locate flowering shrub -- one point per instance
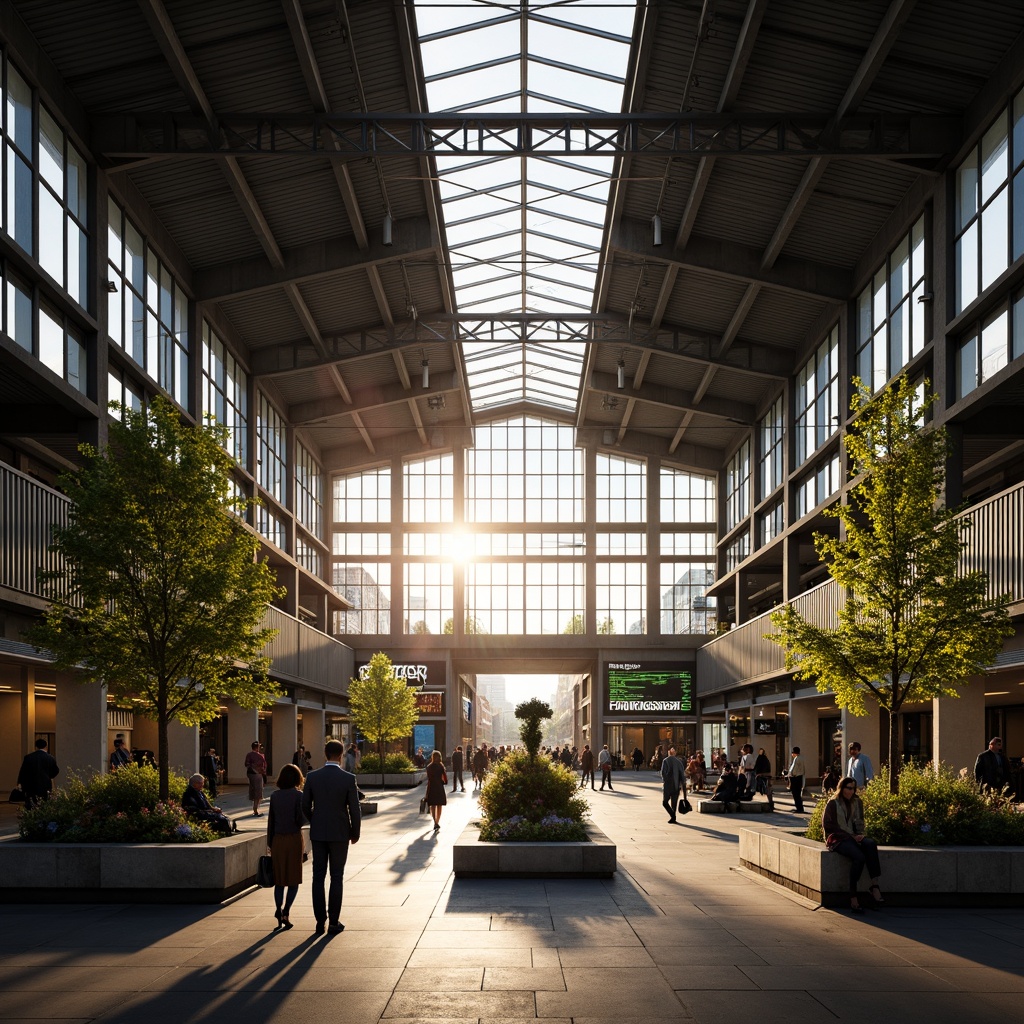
(531, 793)
(517, 829)
(122, 807)
(394, 764)
(933, 808)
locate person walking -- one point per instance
(299, 757)
(843, 825)
(284, 840)
(587, 764)
(352, 758)
(604, 762)
(762, 772)
(457, 769)
(859, 767)
(209, 766)
(673, 781)
(437, 779)
(330, 802)
(38, 770)
(747, 762)
(637, 758)
(480, 764)
(797, 772)
(256, 773)
(992, 768)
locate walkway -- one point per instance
(677, 934)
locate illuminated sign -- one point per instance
(431, 703)
(649, 688)
(418, 673)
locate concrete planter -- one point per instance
(129, 872)
(405, 780)
(962, 876)
(472, 858)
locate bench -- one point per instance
(756, 806)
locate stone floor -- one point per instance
(679, 933)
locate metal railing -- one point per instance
(995, 543)
(29, 512)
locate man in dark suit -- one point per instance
(992, 769)
(197, 805)
(330, 802)
(209, 766)
(38, 770)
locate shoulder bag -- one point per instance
(423, 805)
(685, 806)
(17, 796)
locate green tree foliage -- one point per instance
(160, 595)
(473, 626)
(531, 713)
(577, 626)
(913, 626)
(382, 706)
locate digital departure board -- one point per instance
(636, 687)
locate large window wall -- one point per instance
(501, 562)
(817, 398)
(226, 393)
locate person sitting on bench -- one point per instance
(198, 806)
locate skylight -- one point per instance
(524, 234)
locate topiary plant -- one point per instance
(532, 713)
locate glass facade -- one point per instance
(147, 310)
(737, 486)
(891, 312)
(817, 398)
(477, 572)
(272, 455)
(771, 450)
(989, 217)
(226, 393)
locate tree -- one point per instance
(382, 706)
(531, 713)
(575, 625)
(160, 595)
(473, 626)
(913, 626)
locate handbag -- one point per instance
(423, 805)
(444, 778)
(265, 872)
(685, 806)
(17, 796)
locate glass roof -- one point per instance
(524, 234)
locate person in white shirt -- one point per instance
(604, 762)
(859, 767)
(797, 771)
(747, 761)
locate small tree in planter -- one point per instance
(527, 798)
(383, 706)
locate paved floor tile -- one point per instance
(442, 979)
(476, 1004)
(511, 979)
(690, 977)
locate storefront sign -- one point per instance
(648, 688)
(422, 673)
(430, 702)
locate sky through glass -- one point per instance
(524, 234)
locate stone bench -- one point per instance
(966, 876)
(757, 806)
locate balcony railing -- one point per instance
(995, 543)
(29, 511)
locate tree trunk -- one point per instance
(162, 756)
(894, 752)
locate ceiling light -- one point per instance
(997, 693)
(426, 372)
(435, 402)
(386, 231)
(620, 375)
(656, 222)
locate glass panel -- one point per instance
(1018, 326)
(967, 268)
(994, 239)
(78, 184)
(994, 344)
(51, 152)
(51, 234)
(967, 367)
(994, 160)
(19, 111)
(967, 191)
(19, 313)
(51, 340)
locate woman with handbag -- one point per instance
(284, 840)
(843, 824)
(437, 780)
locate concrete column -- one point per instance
(867, 731)
(243, 729)
(958, 726)
(183, 748)
(314, 728)
(284, 734)
(803, 731)
(28, 707)
(81, 740)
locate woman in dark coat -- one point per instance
(437, 779)
(284, 840)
